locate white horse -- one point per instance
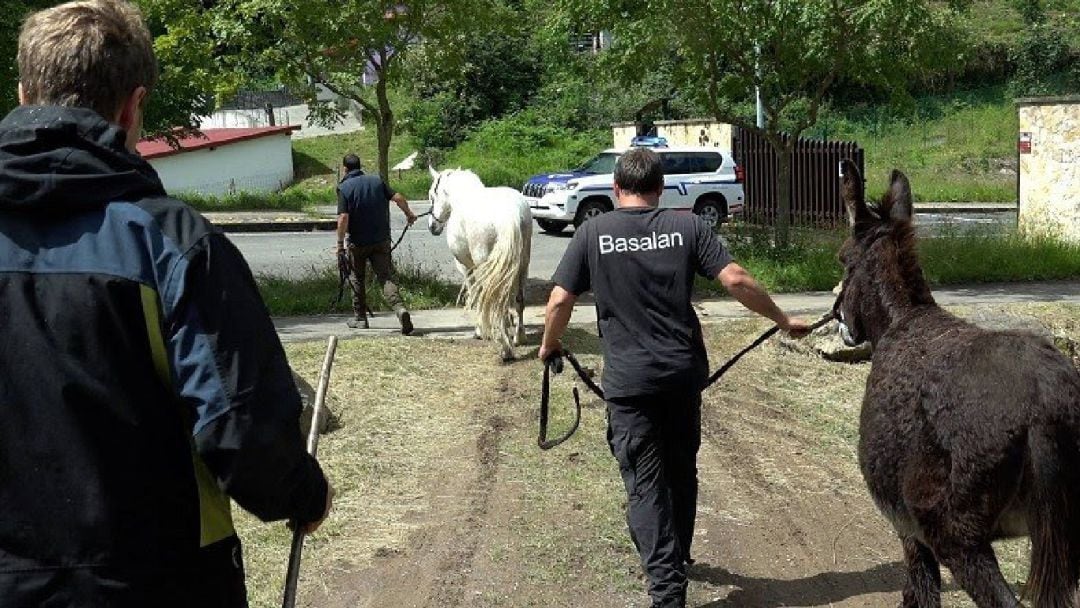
(489, 231)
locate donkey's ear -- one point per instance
(434, 173)
(899, 196)
(851, 191)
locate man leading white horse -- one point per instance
(363, 212)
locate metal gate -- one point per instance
(815, 179)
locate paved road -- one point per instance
(296, 254)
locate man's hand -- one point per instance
(796, 328)
(549, 350)
(313, 526)
(410, 217)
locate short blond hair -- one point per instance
(88, 54)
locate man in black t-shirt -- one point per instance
(639, 262)
(364, 212)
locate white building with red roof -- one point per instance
(224, 161)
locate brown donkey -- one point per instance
(966, 435)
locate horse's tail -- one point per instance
(494, 284)
(1054, 518)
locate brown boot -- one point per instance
(358, 323)
(406, 321)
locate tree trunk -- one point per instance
(783, 194)
(384, 126)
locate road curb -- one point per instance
(305, 226)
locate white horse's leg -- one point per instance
(523, 274)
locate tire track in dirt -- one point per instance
(433, 568)
(775, 529)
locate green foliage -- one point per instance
(292, 199)
(506, 152)
(341, 46)
(958, 147)
(499, 72)
(182, 47)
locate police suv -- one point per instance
(703, 180)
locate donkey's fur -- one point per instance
(966, 435)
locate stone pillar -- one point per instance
(1048, 144)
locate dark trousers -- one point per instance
(656, 438)
(379, 256)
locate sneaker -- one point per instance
(357, 323)
(406, 322)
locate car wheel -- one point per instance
(589, 210)
(552, 226)
(711, 211)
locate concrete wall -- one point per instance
(688, 133)
(622, 133)
(1050, 172)
(288, 115)
(259, 165)
(679, 133)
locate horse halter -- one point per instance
(435, 195)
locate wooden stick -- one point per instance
(292, 575)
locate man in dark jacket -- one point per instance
(143, 384)
(640, 261)
(364, 213)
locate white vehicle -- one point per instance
(703, 180)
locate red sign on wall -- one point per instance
(1025, 142)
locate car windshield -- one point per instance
(601, 163)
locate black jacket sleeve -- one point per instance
(232, 372)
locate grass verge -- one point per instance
(810, 264)
(316, 292)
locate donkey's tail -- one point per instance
(1054, 519)
(495, 282)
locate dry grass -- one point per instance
(398, 409)
(407, 420)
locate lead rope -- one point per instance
(554, 364)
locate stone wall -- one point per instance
(1050, 168)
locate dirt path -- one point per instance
(784, 518)
(779, 524)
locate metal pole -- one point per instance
(292, 575)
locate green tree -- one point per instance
(306, 43)
(794, 51)
(499, 71)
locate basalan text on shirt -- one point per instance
(610, 244)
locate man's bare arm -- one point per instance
(559, 308)
(750, 294)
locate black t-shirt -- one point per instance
(366, 198)
(640, 265)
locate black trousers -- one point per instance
(379, 256)
(656, 438)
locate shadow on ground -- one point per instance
(821, 589)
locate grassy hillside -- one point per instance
(954, 148)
